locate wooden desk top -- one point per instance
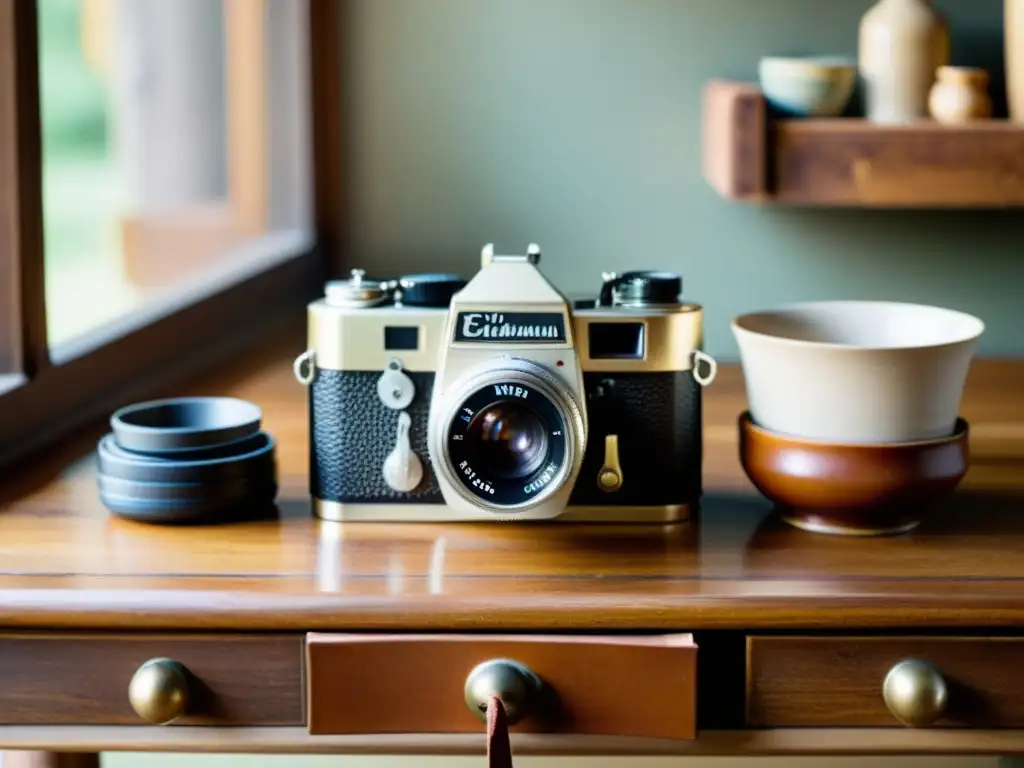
(66, 562)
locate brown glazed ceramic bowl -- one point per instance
(852, 490)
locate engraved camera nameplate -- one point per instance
(510, 327)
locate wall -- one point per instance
(576, 124)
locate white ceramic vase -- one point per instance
(902, 44)
(960, 95)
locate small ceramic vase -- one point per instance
(960, 95)
(902, 44)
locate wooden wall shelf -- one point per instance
(847, 162)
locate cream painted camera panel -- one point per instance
(352, 339)
(498, 329)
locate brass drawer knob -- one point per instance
(915, 693)
(515, 685)
(158, 691)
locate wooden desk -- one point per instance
(793, 631)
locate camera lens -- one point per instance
(508, 439)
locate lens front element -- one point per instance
(509, 439)
(506, 444)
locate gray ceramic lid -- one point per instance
(185, 423)
(184, 493)
(253, 506)
(249, 457)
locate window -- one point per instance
(158, 203)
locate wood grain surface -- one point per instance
(295, 740)
(837, 681)
(65, 562)
(850, 162)
(643, 686)
(57, 679)
(733, 155)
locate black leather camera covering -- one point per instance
(352, 432)
(658, 419)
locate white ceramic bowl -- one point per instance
(808, 86)
(857, 372)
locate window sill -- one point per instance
(251, 259)
(11, 381)
(231, 309)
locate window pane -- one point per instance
(175, 151)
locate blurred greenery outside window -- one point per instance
(175, 156)
(174, 135)
(80, 185)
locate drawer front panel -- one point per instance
(48, 679)
(839, 681)
(625, 686)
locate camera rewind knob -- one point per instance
(403, 469)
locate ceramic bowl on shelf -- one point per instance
(852, 490)
(808, 86)
(856, 372)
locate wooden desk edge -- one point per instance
(295, 740)
(157, 610)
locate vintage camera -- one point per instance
(434, 399)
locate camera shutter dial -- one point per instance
(430, 290)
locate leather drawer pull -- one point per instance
(501, 692)
(499, 747)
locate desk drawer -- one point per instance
(950, 682)
(625, 686)
(48, 679)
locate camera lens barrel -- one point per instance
(511, 437)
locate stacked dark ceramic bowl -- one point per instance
(188, 460)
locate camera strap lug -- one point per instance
(704, 379)
(304, 367)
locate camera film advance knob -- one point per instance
(434, 289)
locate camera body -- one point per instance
(433, 399)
